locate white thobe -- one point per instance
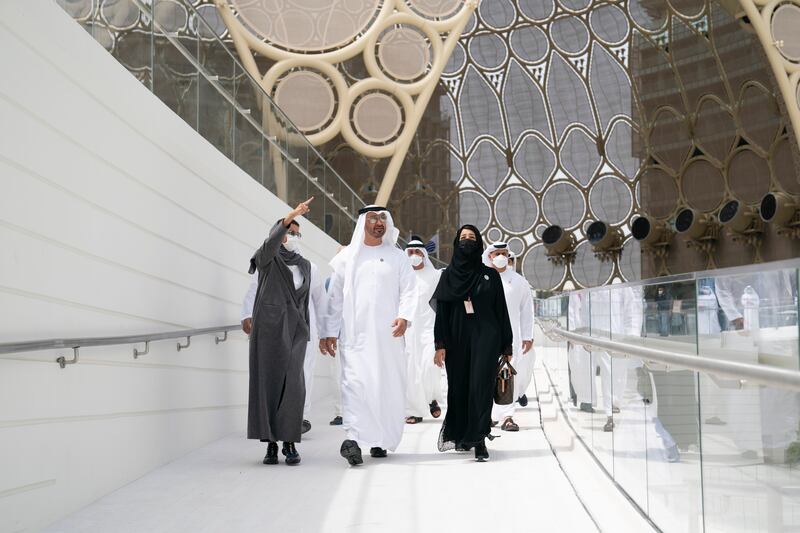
(316, 308)
(520, 312)
(424, 377)
(373, 361)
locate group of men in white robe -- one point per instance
(376, 321)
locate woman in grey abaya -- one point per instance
(279, 340)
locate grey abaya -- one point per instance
(278, 342)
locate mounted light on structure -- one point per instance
(653, 237)
(781, 210)
(743, 223)
(701, 232)
(605, 240)
(560, 245)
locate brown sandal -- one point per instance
(413, 419)
(509, 425)
(436, 411)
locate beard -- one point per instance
(378, 232)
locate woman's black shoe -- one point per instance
(272, 454)
(290, 452)
(481, 453)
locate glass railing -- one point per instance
(694, 451)
(175, 51)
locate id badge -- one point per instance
(468, 307)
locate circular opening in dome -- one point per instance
(640, 228)
(597, 230)
(552, 234)
(728, 211)
(769, 207)
(684, 220)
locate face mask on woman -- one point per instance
(468, 245)
(500, 261)
(415, 260)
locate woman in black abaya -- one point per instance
(472, 333)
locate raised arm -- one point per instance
(272, 244)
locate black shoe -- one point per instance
(272, 454)
(306, 427)
(586, 407)
(290, 452)
(609, 427)
(337, 421)
(351, 452)
(481, 453)
(523, 400)
(377, 452)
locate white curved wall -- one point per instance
(115, 218)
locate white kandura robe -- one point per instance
(424, 377)
(373, 361)
(519, 301)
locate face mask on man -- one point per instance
(500, 261)
(415, 260)
(292, 244)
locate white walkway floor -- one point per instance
(225, 488)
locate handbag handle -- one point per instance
(503, 362)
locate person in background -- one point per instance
(520, 311)
(424, 378)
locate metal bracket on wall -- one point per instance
(63, 361)
(137, 353)
(184, 346)
(218, 339)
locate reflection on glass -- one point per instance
(170, 47)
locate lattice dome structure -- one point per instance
(548, 112)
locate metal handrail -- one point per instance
(86, 342)
(745, 373)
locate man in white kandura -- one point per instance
(372, 299)
(424, 377)
(520, 311)
(525, 369)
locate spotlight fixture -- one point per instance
(743, 223)
(560, 244)
(605, 240)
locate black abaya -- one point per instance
(473, 344)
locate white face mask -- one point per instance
(415, 260)
(500, 261)
(292, 244)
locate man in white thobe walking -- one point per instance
(372, 299)
(424, 377)
(520, 311)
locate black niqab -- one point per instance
(462, 273)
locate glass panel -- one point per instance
(581, 375)
(175, 78)
(670, 317)
(601, 381)
(750, 434)
(247, 133)
(177, 54)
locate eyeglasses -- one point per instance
(295, 234)
(374, 218)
